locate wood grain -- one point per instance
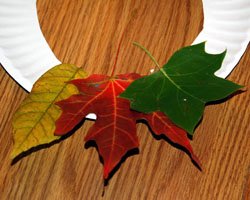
(87, 33)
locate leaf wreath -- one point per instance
(170, 100)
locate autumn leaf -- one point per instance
(115, 128)
(161, 125)
(182, 87)
(34, 121)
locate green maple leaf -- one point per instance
(182, 87)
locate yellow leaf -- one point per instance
(34, 121)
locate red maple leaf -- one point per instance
(115, 128)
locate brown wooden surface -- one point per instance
(86, 33)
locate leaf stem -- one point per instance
(157, 64)
(148, 53)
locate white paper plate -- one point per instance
(226, 26)
(25, 54)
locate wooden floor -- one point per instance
(86, 33)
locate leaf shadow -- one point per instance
(129, 153)
(166, 139)
(135, 151)
(44, 146)
(190, 136)
(238, 92)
